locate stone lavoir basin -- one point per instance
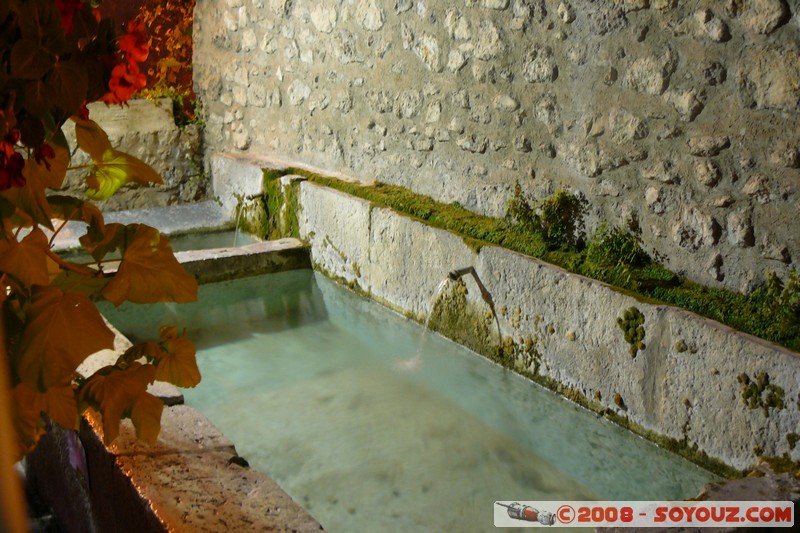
(371, 422)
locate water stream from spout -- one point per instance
(412, 363)
(238, 222)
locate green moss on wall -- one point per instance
(470, 324)
(632, 325)
(759, 313)
(760, 393)
(281, 204)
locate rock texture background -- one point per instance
(680, 117)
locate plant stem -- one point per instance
(64, 223)
(65, 265)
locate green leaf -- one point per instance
(29, 61)
(114, 170)
(61, 330)
(149, 272)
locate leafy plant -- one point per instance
(170, 64)
(614, 255)
(784, 300)
(559, 220)
(56, 57)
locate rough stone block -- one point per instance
(234, 177)
(336, 226)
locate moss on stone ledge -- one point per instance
(651, 282)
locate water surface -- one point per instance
(374, 424)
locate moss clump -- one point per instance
(252, 216)
(558, 220)
(792, 439)
(614, 255)
(632, 324)
(753, 393)
(783, 464)
(281, 204)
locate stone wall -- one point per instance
(683, 117)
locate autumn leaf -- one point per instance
(100, 238)
(71, 208)
(146, 417)
(114, 392)
(29, 60)
(60, 406)
(27, 260)
(177, 363)
(91, 138)
(69, 83)
(27, 407)
(61, 330)
(149, 272)
(69, 281)
(31, 199)
(150, 350)
(54, 176)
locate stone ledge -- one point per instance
(258, 258)
(190, 480)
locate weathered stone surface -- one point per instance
(684, 70)
(370, 15)
(490, 43)
(249, 260)
(692, 228)
(708, 145)
(764, 16)
(651, 74)
(769, 78)
(707, 172)
(539, 64)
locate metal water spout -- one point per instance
(461, 272)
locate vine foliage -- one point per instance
(55, 57)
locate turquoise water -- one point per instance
(372, 423)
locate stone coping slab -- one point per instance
(190, 480)
(258, 258)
